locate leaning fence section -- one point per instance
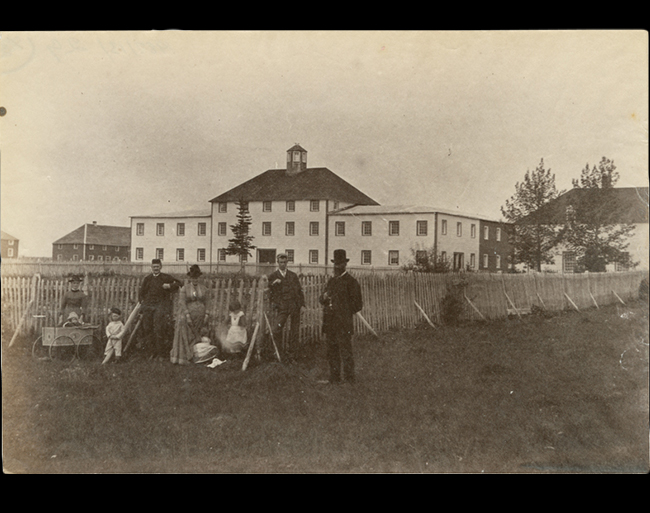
(391, 300)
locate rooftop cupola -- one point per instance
(296, 159)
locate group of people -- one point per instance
(191, 340)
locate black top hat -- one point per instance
(75, 278)
(156, 261)
(195, 271)
(339, 256)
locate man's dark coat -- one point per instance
(287, 295)
(344, 301)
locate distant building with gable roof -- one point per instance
(94, 242)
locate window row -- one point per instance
(289, 206)
(472, 230)
(91, 247)
(99, 258)
(202, 229)
(339, 228)
(180, 254)
(458, 259)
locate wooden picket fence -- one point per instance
(391, 300)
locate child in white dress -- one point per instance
(114, 333)
(237, 336)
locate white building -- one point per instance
(173, 237)
(307, 213)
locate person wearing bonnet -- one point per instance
(193, 317)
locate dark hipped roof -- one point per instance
(316, 183)
(98, 234)
(626, 205)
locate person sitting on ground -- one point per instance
(237, 336)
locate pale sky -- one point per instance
(100, 126)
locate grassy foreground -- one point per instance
(563, 393)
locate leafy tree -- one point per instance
(594, 230)
(426, 261)
(242, 243)
(533, 237)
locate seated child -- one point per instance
(73, 320)
(204, 350)
(114, 333)
(237, 337)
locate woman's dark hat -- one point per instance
(116, 310)
(339, 256)
(195, 271)
(75, 278)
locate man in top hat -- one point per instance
(287, 299)
(156, 294)
(74, 300)
(341, 301)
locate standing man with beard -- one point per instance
(341, 301)
(156, 293)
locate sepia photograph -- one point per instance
(324, 252)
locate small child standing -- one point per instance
(237, 336)
(114, 332)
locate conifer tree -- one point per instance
(594, 230)
(242, 243)
(533, 237)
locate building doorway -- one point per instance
(459, 261)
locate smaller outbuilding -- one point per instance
(94, 242)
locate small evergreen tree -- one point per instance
(532, 237)
(242, 243)
(594, 231)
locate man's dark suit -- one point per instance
(341, 301)
(157, 313)
(287, 299)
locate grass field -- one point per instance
(545, 394)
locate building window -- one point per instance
(124, 259)
(313, 228)
(472, 230)
(160, 229)
(290, 255)
(90, 246)
(266, 206)
(180, 254)
(60, 257)
(366, 257)
(569, 262)
(223, 208)
(202, 229)
(459, 229)
(75, 246)
(339, 228)
(443, 227)
(160, 253)
(485, 261)
(75, 257)
(313, 256)
(243, 258)
(422, 228)
(139, 253)
(443, 256)
(393, 258)
(366, 227)
(393, 227)
(420, 256)
(116, 259)
(498, 261)
(11, 242)
(266, 228)
(314, 205)
(222, 229)
(486, 232)
(139, 229)
(60, 246)
(472, 260)
(498, 234)
(222, 255)
(104, 248)
(335, 205)
(99, 258)
(92, 257)
(10, 252)
(200, 255)
(291, 206)
(180, 229)
(290, 228)
(623, 266)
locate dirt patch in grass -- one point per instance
(563, 393)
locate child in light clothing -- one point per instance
(237, 336)
(114, 332)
